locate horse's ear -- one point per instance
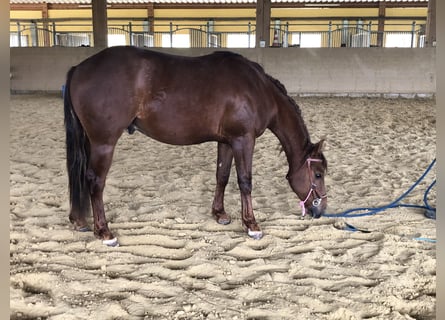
(319, 146)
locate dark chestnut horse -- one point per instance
(180, 100)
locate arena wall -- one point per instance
(304, 71)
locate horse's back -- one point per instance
(202, 98)
(125, 63)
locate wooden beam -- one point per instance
(151, 17)
(381, 23)
(45, 16)
(352, 5)
(262, 33)
(100, 29)
(193, 6)
(430, 40)
(234, 19)
(25, 6)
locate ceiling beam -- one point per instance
(192, 6)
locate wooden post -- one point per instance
(262, 23)
(430, 39)
(150, 17)
(45, 16)
(100, 28)
(381, 25)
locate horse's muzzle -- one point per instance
(316, 212)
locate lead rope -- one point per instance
(369, 211)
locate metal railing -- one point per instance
(411, 36)
(47, 34)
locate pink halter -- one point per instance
(317, 198)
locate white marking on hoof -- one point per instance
(111, 243)
(255, 234)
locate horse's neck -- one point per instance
(291, 131)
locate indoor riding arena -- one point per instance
(376, 110)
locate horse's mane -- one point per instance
(283, 90)
(308, 145)
(277, 84)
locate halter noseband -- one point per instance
(317, 198)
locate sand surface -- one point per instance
(176, 262)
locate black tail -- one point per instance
(77, 157)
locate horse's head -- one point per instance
(307, 181)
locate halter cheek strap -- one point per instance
(317, 198)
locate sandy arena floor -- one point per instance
(176, 262)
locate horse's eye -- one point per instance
(318, 175)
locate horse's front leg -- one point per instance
(243, 153)
(100, 162)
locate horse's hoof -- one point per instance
(111, 242)
(224, 220)
(83, 229)
(257, 235)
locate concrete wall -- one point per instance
(325, 71)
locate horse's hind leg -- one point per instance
(223, 165)
(100, 162)
(243, 153)
(78, 218)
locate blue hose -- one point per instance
(395, 204)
